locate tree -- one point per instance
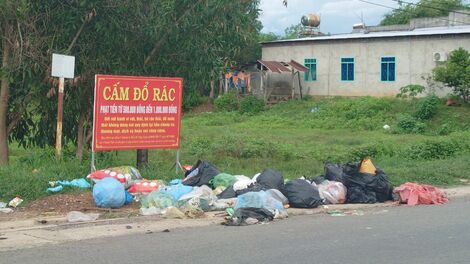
(456, 73)
(113, 37)
(424, 8)
(293, 32)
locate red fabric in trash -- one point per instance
(413, 194)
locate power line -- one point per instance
(440, 18)
(431, 7)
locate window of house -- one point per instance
(311, 74)
(347, 69)
(387, 72)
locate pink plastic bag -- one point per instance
(413, 194)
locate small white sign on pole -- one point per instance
(63, 66)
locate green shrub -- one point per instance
(228, 102)
(433, 150)
(251, 105)
(409, 124)
(411, 91)
(427, 107)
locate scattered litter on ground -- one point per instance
(150, 211)
(79, 183)
(315, 109)
(3, 205)
(346, 213)
(413, 194)
(173, 213)
(243, 200)
(15, 202)
(75, 216)
(6, 210)
(56, 189)
(241, 216)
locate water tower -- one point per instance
(311, 23)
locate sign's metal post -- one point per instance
(178, 164)
(60, 110)
(93, 168)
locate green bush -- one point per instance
(409, 124)
(228, 102)
(429, 150)
(427, 107)
(251, 105)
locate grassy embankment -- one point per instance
(288, 137)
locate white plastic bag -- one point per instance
(242, 184)
(333, 192)
(75, 216)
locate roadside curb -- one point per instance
(39, 231)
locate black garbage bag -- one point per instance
(227, 193)
(255, 187)
(334, 172)
(271, 179)
(364, 187)
(318, 180)
(383, 188)
(302, 194)
(241, 214)
(201, 174)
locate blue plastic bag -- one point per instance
(176, 191)
(259, 199)
(129, 198)
(109, 193)
(56, 189)
(80, 183)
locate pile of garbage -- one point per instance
(248, 200)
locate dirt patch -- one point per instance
(203, 108)
(61, 204)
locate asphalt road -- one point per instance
(422, 234)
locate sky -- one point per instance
(337, 16)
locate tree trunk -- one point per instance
(81, 136)
(221, 86)
(211, 95)
(142, 158)
(4, 93)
